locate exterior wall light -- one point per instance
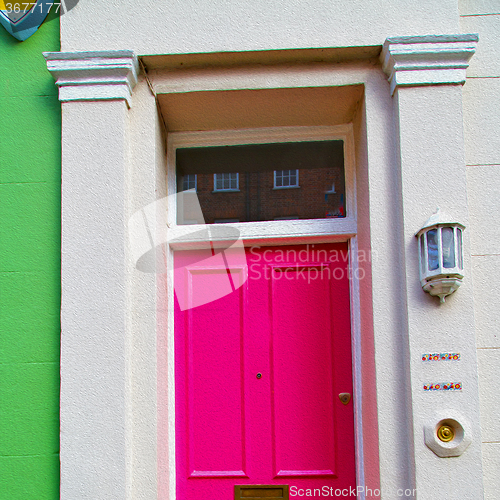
(441, 255)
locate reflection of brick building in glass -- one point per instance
(258, 199)
(315, 191)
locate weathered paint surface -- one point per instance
(30, 184)
(259, 373)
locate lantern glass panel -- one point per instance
(459, 246)
(432, 250)
(448, 247)
(422, 252)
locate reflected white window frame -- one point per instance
(187, 185)
(231, 188)
(286, 176)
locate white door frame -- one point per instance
(115, 319)
(273, 233)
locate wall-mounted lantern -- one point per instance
(441, 255)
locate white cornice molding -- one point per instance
(93, 76)
(427, 60)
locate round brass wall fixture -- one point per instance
(448, 434)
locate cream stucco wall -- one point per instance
(194, 26)
(482, 140)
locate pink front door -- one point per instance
(259, 372)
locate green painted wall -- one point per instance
(30, 199)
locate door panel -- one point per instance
(216, 422)
(258, 373)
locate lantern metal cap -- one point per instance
(439, 218)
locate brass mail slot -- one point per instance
(256, 492)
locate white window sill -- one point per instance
(285, 187)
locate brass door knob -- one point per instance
(344, 397)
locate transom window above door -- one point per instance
(260, 181)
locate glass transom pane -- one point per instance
(246, 182)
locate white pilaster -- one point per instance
(425, 75)
(97, 331)
(94, 76)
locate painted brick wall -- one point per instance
(30, 186)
